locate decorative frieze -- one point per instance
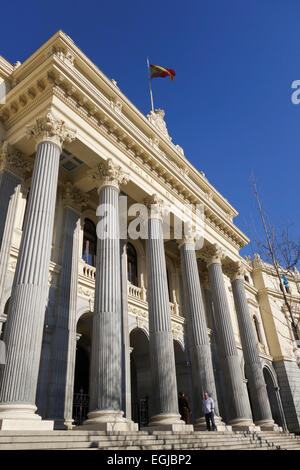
(14, 161)
(73, 197)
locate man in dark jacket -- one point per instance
(184, 408)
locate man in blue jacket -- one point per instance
(208, 410)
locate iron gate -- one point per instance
(80, 407)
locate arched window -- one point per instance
(89, 242)
(256, 324)
(132, 270)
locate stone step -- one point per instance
(73, 438)
(158, 440)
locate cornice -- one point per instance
(6, 68)
(61, 67)
(278, 294)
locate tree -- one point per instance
(280, 250)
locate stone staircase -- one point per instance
(145, 440)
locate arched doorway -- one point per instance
(141, 388)
(274, 397)
(82, 368)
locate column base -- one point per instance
(241, 424)
(200, 424)
(107, 420)
(168, 422)
(268, 425)
(22, 418)
(61, 424)
(69, 424)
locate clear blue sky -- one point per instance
(229, 106)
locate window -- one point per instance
(256, 324)
(132, 271)
(89, 242)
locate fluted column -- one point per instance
(24, 329)
(106, 361)
(13, 168)
(236, 395)
(162, 359)
(126, 379)
(256, 382)
(198, 340)
(63, 350)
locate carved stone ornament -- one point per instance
(235, 270)
(48, 128)
(13, 160)
(63, 54)
(190, 235)
(213, 254)
(157, 207)
(109, 173)
(157, 119)
(257, 261)
(73, 197)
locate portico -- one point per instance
(83, 147)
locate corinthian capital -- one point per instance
(189, 236)
(73, 197)
(235, 270)
(109, 173)
(14, 161)
(50, 129)
(157, 207)
(213, 254)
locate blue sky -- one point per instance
(229, 106)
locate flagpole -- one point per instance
(150, 87)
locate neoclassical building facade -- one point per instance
(103, 328)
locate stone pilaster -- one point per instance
(63, 350)
(236, 395)
(198, 340)
(24, 329)
(162, 360)
(106, 359)
(256, 382)
(13, 168)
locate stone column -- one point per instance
(126, 379)
(24, 329)
(106, 359)
(256, 382)
(236, 395)
(198, 340)
(219, 379)
(13, 169)
(162, 359)
(63, 350)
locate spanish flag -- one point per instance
(157, 71)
